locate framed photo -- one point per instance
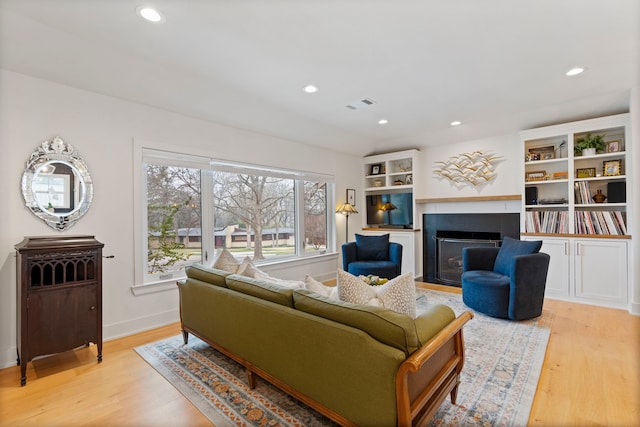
(376, 169)
(542, 153)
(351, 196)
(409, 179)
(535, 176)
(611, 167)
(586, 173)
(614, 146)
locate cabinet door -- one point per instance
(558, 277)
(601, 271)
(62, 319)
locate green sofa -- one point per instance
(356, 364)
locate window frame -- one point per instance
(177, 156)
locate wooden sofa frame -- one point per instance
(423, 380)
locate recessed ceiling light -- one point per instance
(456, 123)
(574, 71)
(310, 89)
(150, 14)
(383, 121)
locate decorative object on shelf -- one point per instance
(586, 173)
(599, 197)
(561, 175)
(614, 146)
(398, 182)
(409, 179)
(56, 184)
(351, 196)
(589, 144)
(405, 166)
(377, 183)
(535, 176)
(376, 169)
(475, 168)
(542, 153)
(612, 167)
(346, 210)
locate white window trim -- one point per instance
(173, 155)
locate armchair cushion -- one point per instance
(372, 248)
(511, 248)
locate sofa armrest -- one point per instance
(395, 256)
(479, 258)
(349, 254)
(528, 280)
(435, 369)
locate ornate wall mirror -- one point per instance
(56, 184)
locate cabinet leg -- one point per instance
(99, 352)
(18, 357)
(185, 337)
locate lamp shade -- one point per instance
(347, 209)
(388, 207)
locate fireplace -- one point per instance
(445, 235)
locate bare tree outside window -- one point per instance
(251, 214)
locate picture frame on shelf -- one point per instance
(612, 167)
(535, 175)
(376, 169)
(409, 179)
(614, 146)
(542, 153)
(586, 173)
(351, 196)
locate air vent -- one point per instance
(365, 102)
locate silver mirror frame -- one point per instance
(57, 150)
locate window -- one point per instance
(195, 206)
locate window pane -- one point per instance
(254, 215)
(173, 219)
(315, 217)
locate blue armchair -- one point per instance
(506, 282)
(372, 255)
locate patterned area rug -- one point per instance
(502, 364)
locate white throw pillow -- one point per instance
(226, 261)
(246, 268)
(318, 287)
(398, 294)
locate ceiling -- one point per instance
(496, 65)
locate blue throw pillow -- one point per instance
(512, 247)
(372, 248)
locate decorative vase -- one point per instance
(599, 197)
(589, 152)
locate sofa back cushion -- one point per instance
(513, 247)
(207, 274)
(261, 289)
(372, 248)
(389, 327)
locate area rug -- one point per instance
(502, 364)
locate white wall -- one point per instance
(508, 168)
(102, 129)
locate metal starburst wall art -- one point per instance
(475, 168)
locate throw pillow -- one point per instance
(513, 247)
(318, 287)
(246, 268)
(226, 261)
(398, 294)
(372, 248)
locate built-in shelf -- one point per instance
(470, 199)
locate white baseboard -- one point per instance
(112, 331)
(141, 324)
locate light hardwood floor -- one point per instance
(590, 377)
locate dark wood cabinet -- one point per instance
(59, 283)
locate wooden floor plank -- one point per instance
(589, 378)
